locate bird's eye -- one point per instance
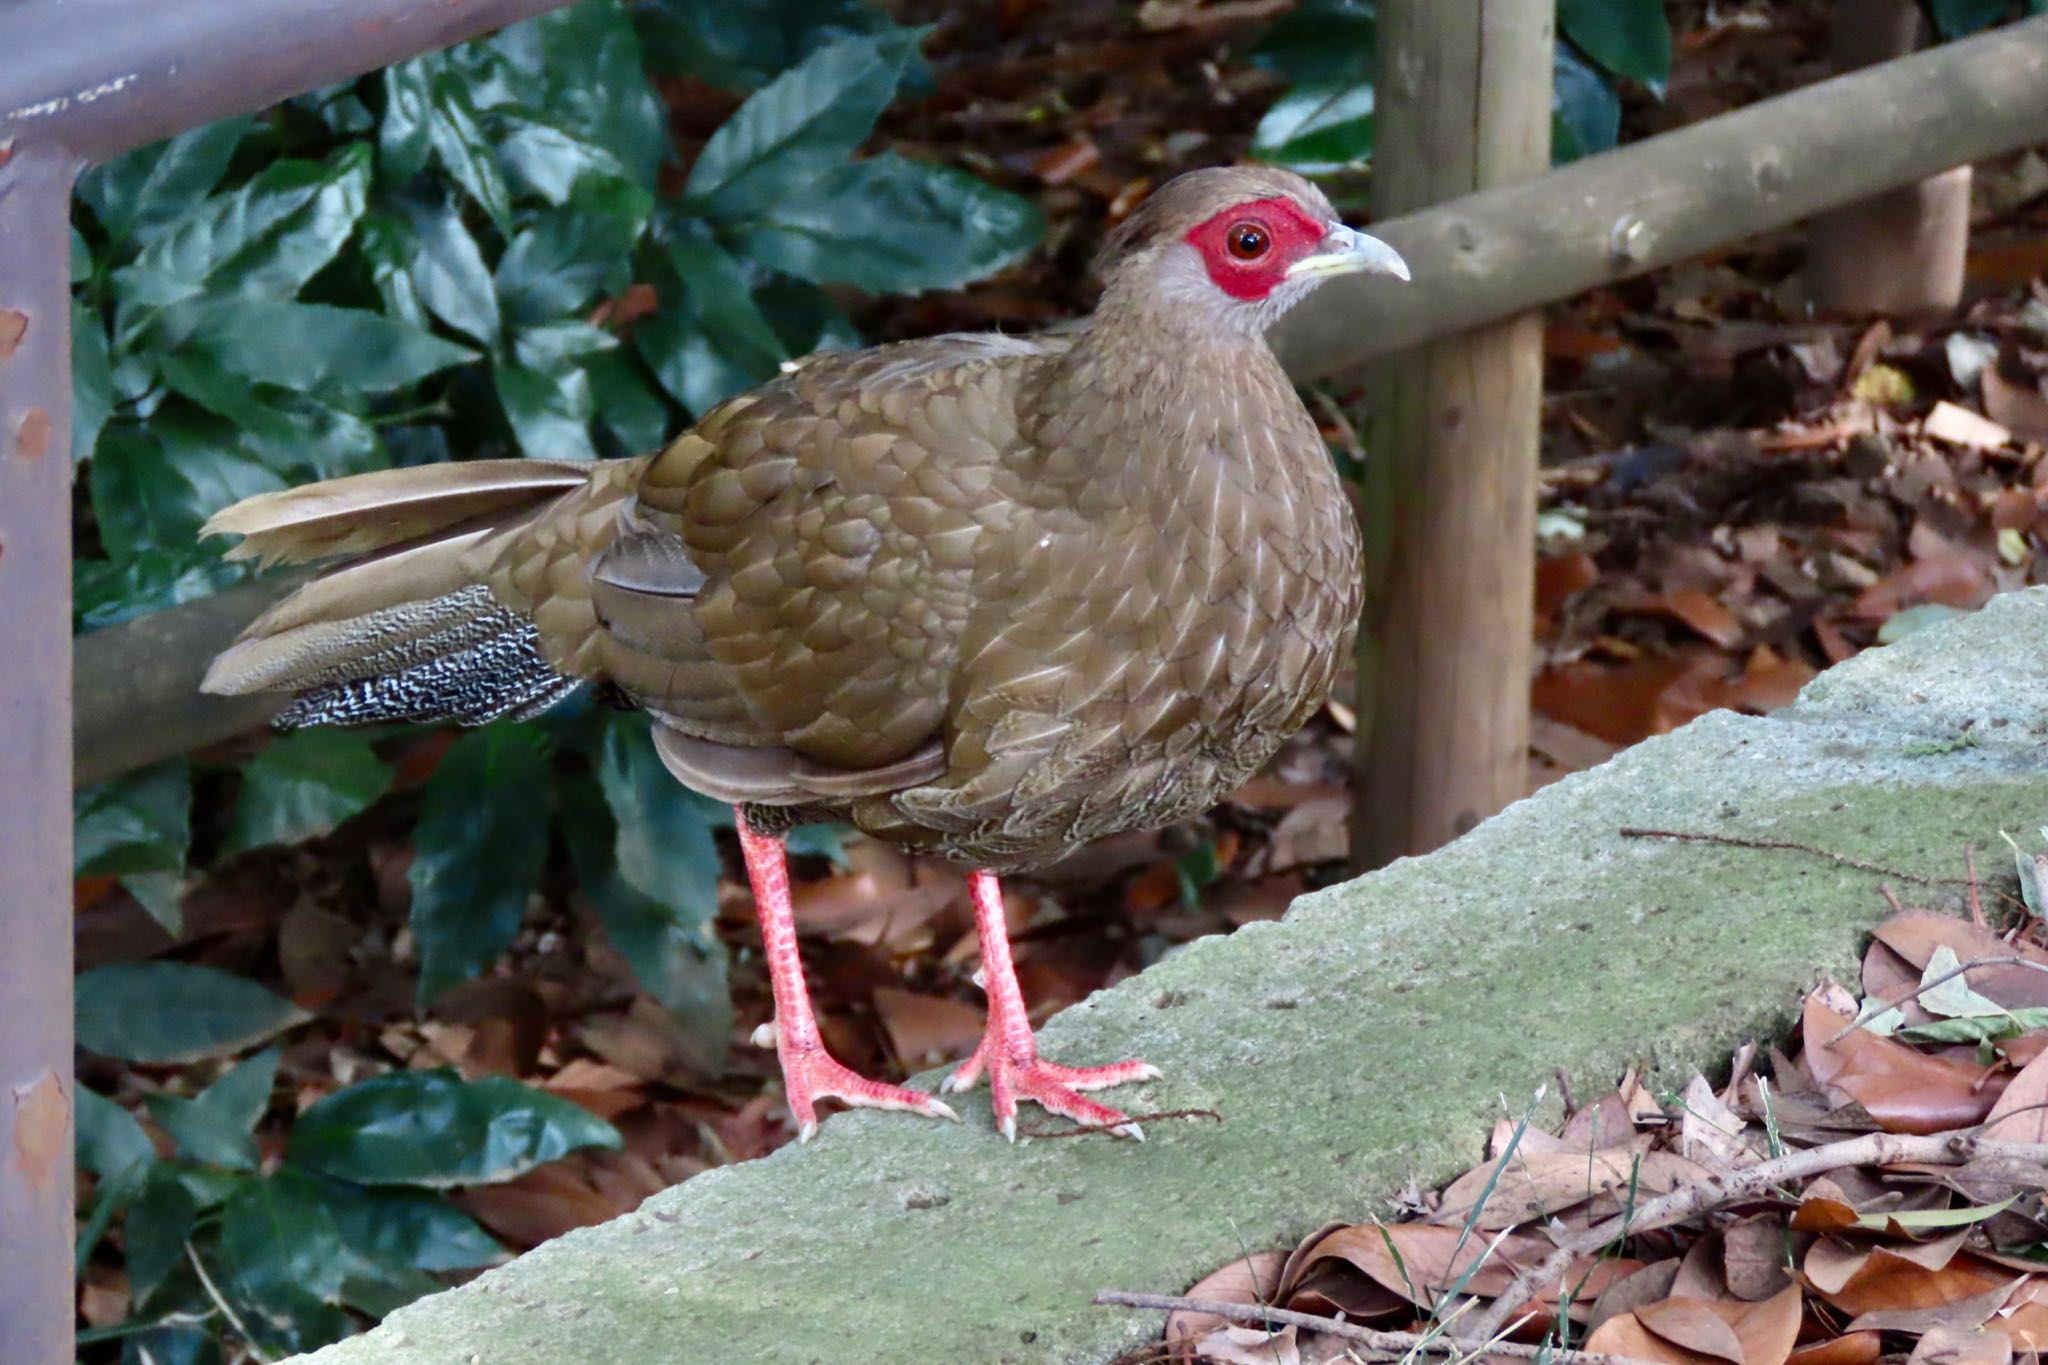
(1247, 241)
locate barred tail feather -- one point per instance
(408, 633)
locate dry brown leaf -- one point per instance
(1604, 1123)
(1967, 1311)
(1754, 1254)
(2021, 407)
(1255, 1279)
(925, 1030)
(1962, 1346)
(2025, 1315)
(1538, 1184)
(1822, 1214)
(1959, 426)
(1625, 1335)
(1247, 1346)
(1852, 1348)
(1904, 1090)
(1709, 1130)
(1693, 1325)
(2021, 1114)
(1702, 613)
(1862, 1280)
(1648, 1285)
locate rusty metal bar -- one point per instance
(101, 76)
(82, 81)
(35, 755)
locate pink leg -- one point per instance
(1009, 1052)
(809, 1073)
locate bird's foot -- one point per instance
(810, 1074)
(1019, 1073)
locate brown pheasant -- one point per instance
(982, 596)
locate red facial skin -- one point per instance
(1290, 234)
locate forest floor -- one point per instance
(1734, 497)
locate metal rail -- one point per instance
(82, 81)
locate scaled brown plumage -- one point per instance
(986, 596)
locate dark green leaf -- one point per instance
(799, 125)
(477, 853)
(566, 257)
(668, 943)
(418, 1229)
(1955, 18)
(555, 344)
(739, 44)
(585, 66)
(112, 1195)
(303, 785)
(141, 190)
(1585, 111)
(461, 146)
(175, 1012)
(1627, 37)
(108, 592)
(297, 436)
(550, 411)
(552, 164)
(110, 1139)
(889, 224)
(805, 317)
(626, 402)
(312, 345)
(433, 1129)
(280, 1254)
(216, 1126)
(689, 363)
(817, 841)
(140, 822)
(138, 828)
(719, 298)
(665, 847)
(153, 1235)
(1318, 128)
(175, 1345)
(153, 487)
(267, 238)
(1322, 42)
(448, 270)
(92, 380)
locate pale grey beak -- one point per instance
(1347, 251)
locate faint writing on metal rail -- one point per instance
(57, 104)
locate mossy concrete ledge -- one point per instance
(1367, 1040)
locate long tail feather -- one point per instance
(408, 632)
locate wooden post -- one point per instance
(1901, 253)
(1443, 670)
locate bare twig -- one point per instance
(220, 1302)
(1941, 1149)
(1378, 1345)
(2009, 960)
(1811, 850)
(1046, 1134)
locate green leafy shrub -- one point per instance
(486, 251)
(1325, 48)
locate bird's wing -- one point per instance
(789, 583)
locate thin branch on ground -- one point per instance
(1811, 850)
(220, 1301)
(1975, 964)
(1872, 1149)
(1046, 1134)
(1378, 1345)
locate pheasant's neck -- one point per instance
(1144, 410)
